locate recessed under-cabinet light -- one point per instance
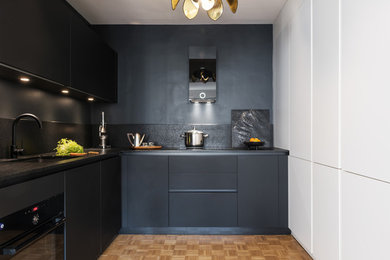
(91, 99)
(24, 79)
(65, 91)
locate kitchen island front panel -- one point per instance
(221, 191)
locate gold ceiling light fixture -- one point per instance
(214, 8)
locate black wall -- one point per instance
(61, 116)
(153, 72)
(153, 80)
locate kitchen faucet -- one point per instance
(14, 149)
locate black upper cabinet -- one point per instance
(35, 37)
(93, 63)
(51, 41)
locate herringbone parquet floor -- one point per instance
(180, 247)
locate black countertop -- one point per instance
(227, 151)
(20, 171)
(14, 172)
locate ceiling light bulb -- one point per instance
(65, 91)
(195, 3)
(91, 99)
(24, 79)
(207, 4)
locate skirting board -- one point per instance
(205, 231)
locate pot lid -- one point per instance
(194, 131)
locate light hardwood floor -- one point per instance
(193, 247)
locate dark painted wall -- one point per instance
(61, 116)
(153, 72)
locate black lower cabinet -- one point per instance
(147, 191)
(213, 194)
(258, 192)
(110, 183)
(82, 212)
(202, 209)
(93, 208)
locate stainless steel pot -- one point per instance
(194, 138)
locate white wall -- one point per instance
(331, 111)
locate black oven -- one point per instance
(35, 232)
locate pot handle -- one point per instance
(128, 137)
(205, 135)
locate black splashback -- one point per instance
(35, 140)
(166, 135)
(62, 117)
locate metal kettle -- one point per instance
(137, 139)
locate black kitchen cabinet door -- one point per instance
(205, 172)
(258, 191)
(82, 212)
(147, 191)
(93, 63)
(110, 187)
(35, 37)
(202, 209)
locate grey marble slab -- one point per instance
(251, 123)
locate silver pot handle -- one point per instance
(128, 137)
(205, 135)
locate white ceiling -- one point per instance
(160, 12)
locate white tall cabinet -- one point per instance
(331, 110)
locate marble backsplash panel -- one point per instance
(251, 123)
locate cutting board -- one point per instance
(147, 147)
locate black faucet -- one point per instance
(15, 150)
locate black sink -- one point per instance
(35, 158)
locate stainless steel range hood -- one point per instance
(202, 74)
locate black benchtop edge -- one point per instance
(183, 152)
(24, 174)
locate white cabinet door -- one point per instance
(365, 87)
(300, 74)
(325, 213)
(300, 200)
(365, 215)
(282, 89)
(326, 82)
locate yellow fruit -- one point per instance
(252, 140)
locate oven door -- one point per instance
(46, 241)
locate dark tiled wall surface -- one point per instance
(166, 135)
(35, 140)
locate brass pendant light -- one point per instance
(214, 8)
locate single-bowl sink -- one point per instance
(35, 158)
